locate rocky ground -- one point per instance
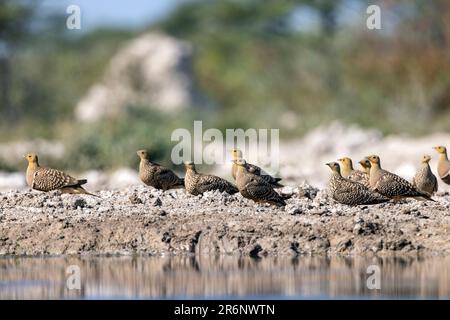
(141, 220)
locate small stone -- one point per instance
(157, 203)
(134, 199)
(79, 203)
(162, 213)
(295, 211)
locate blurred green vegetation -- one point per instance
(261, 67)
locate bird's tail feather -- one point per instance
(78, 190)
(82, 181)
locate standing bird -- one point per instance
(361, 176)
(156, 176)
(48, 179)
(443, 166)
(237, 155)
(425, 180)
(254, 187)
(349, 192)
(391, 185)
(198, 183)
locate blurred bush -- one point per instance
(255, 59)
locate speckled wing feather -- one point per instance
(251, 168)
(393, 186)
(257, 189)
(359, 176)
(209, 182)
(167, 178)
(352, 193)
(159, 177)
(47, 179)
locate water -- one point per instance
(224, 277)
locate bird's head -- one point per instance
(143, 154)
(189, 165)
(346, 162)
(236, 154)
(374, 159)
(334, 166)
(365, 163)
(440, 149)
(31, 158)
(426, 158)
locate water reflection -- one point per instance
(223, 277)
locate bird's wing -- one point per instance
(395, 185)
(253, 169)
(165, 173)
(209, 182)
(261, 190)
(446, 178)
(47, 179)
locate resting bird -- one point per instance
(443, 166)
(47, 179)
(198, 183)
(425, 180)
(237, 155)
(349, 192)
(156, 176)
(254, 187)
(391, 185)
(361, 176)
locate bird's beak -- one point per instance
(340, 160)
(328, 164)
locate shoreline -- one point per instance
(143, 221)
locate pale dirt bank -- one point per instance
(140, 220)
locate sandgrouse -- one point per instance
(198, 183)
(361, 176)
(157, 176)
(349, 192)
(254, 187)
(391, 185)
(237, 155)
(48, 179)
(425, 180)
(443, 166)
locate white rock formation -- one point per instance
(153, 70)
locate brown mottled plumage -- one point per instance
(237, 155)
(391, 185)
(361, 176)
(425, 180)
(198, 183)
(157, 176)
(254, 187)
(443, 166)
(48, 179)
(349, 192)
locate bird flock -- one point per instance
(369, 185)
